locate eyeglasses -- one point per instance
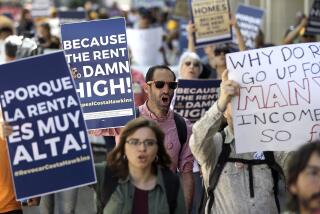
(137, 142)
(218, 52)
(195, 64)
(160, 84)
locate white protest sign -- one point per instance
(40, 8)
(145, 46)
(278, 108)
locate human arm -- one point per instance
(191, 29)
(240, 39)
(203, 138)
(181, 206)
(295, 32)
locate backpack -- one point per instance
(276, 171)
(109, 185)
(180, 125)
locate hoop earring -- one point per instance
(124, 157)
(156, 159)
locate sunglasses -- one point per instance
(218, 52)
(160, 84)
(195, 64)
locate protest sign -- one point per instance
(181, 9)
(211, 18)
(249, 20)
(145, 46)
(103, 82)
(194, 97)
(313, 26)
(40, 8)
(278, 106)
(71, 16)
(49, 146)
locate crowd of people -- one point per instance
(161, 162)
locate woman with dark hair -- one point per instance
(140, 166)
(303, 180)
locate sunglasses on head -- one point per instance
(217, 52)
(160, 84)
(195, 64)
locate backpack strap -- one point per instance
(110, 183)
(137, 112)
(181, 128)
(214, 177)
(172, 185)
(276, 172)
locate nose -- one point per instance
(166, 88)
(142, 147)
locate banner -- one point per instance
(40, 8)
(181, 9)
(49, 147)
(278, 106)
(71, 16)
(145, 46)
(103, 81)
(211, 18)
(313, 26)
(249, 20)
(194, 97)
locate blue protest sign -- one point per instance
(313, 26)
(49, 148)
(212, 21)
(194, 97)
(98, 51)
(71, 16)
(249, 20)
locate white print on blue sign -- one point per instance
(100, 60)
(49, 141)
(249, 20)
(278, 106)
(194, 97)
(313, 26)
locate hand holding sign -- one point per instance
(229, 88)
(5, 130)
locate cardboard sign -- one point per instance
(194, 97)
(49, 147)
(211, 18)
(249, 20)
(278, 106)
(145, 46)
(313, 26)
(103, 83)
(181, 9)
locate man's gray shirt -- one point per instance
(232, 193)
